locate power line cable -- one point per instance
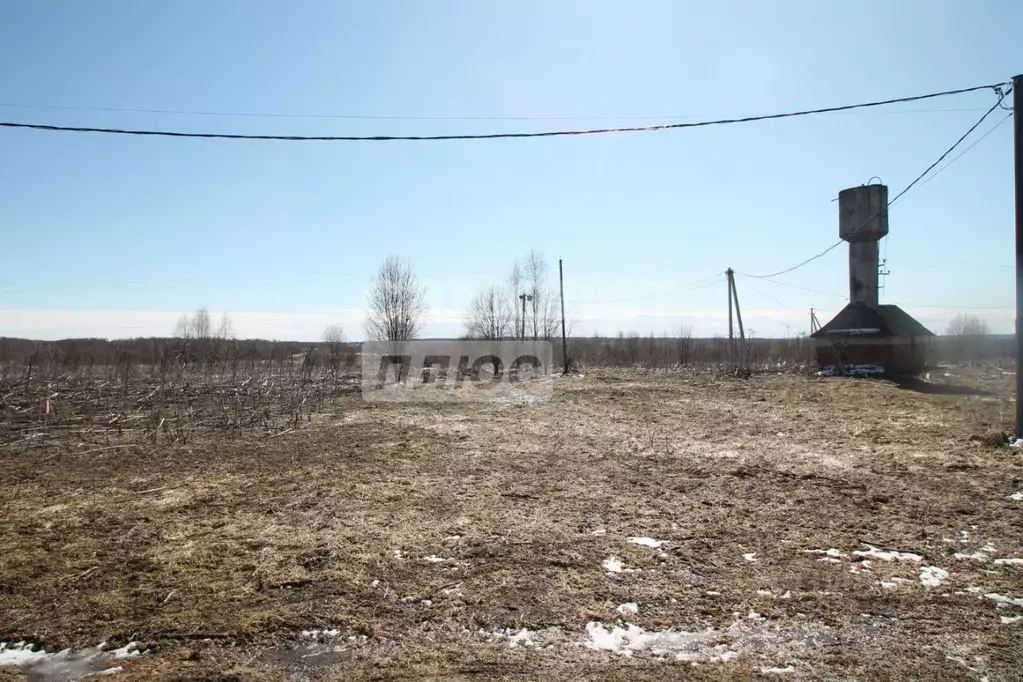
(364, 117)
(963, 153)
(1001, 96)
(492, 136)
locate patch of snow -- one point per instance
(1010, 619)
(1018, 496)
(521, 638)
(108, 671)
(932, 576)
(66, 664)
(1017, 444)
(630, 608)
(452, 538)
(375, 583)
(647, 542)
(398, 554)
(320, 634)
(1012, 561)
(713, 593)
(893, 583)
(831, 552)
(1003, 599)
(524, 637)
(613, 564)
(768, 670)
(887, 555)
(434, 559)
(599, 531)
(976, 556)
(633, 638)
(989, 549)
(829, 560)
(750, 556)
(973, 589)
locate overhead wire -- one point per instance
(491, 136)
(379, 117)
(907, 188)
(964, 152)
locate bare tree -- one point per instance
(489, 316)
(498, 311)
(226, 329)
(397, 304)
(966, 325)
(684, 344)
(515, 281)
(544, 304)
(968, 342)
(183, 328)
(201, 327)
(334, 338)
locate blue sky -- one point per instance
(116, 236)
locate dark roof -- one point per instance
(885, 320)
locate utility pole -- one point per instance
(1017, 134)
(731, 335)
(738, 315)
(564, 342)
(524, 297)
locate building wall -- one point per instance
(899, 355)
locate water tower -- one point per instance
(866, 337)
(863, 221)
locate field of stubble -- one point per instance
(636, 526)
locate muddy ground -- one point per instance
(788, 527)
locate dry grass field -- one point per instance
(639, 526)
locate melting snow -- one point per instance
(1002, 599)
(887, 555)
(893, 583)
(976, 556)
(988, 548)
(66, 664)
(613, 564)
(831, 552)
(1011, 619)
(686, 646)
(829, 560)
(932, 576)
(1012, 561)
(1017, 444)
(317, 634)
(434, 559)
(628, 608)
(647, 542)
(751, 556)
(1017, 496)
(599, 531)
(524, 637)
(768, 670)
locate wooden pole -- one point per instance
(731, 334)
(564, 340)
